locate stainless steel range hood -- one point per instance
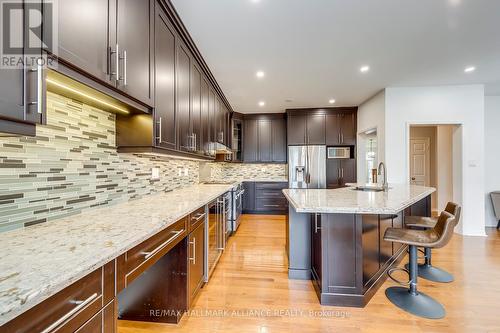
(220, 148)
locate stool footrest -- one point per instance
(399, 269)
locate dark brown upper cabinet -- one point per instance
(165, 119)
(133, 45)
(341, 128)
(330, 126)
(111, 40)
(205, 117)
(22, 95)
(84, 40)
(183, 75)
(306, 129)
(195, 114)
(264, 138)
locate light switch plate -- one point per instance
(186, 172)
(155, 173)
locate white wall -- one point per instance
(492, 153)
(371, 115)
(441, 105)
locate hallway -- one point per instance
(250, 292)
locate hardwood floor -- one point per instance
(251, 285)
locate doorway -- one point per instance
(435, 160)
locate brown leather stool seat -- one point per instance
(410, 299)
(427, 270)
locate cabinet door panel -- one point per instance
(296, 130)
(249, 196)
(316, 129)
(212, 117)
(250, 141)
(264, 137)
(332, 130)
(134, 32)
(83, 35)
(316, 257)
(348, 171)
(370, 239)
(183, 101)
(279, 140)
(164, 82)
(348, 128)
(205, 118)
(385, 247)
(195, 114)
(11, 93)
(333, 177)
(196, 254)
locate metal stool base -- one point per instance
(433, 274)
(420, 305)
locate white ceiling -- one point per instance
(311, 50)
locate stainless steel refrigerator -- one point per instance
(307, 166)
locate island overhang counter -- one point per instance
(335, 238)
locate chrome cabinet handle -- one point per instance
(338, 173)
(342, 136)
(125, 67)
(316, 228)
(342, 172)
(39, 88)
(148, 255)
(198, 217)
(124, 58)
(116, 73)
(67, 316)
(158, 137)
(193, 259)
(340, 141)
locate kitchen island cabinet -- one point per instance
(336, 238)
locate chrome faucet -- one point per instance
(381, 166)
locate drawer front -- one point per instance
(269, 194)
(104, 321)
(144, 255)
(66, 311)
(271, 186)
(271, 204)
(196, 218)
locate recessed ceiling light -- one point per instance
(254, 1)
(331, 101)
(364, 69)
(260, 74)
(469, 69)
(262, 103)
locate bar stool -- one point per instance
(408, 298)
(426, 270)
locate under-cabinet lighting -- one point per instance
(82, 94)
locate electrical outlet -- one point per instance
(186, 172)
(155, 173)
(179, 171)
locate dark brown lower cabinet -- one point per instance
(264, 198)
(75, 308)
(339, 172)
(349, 256)
(196, 261)
(316, 249)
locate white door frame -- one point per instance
(458, 185)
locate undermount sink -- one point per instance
(369, 188)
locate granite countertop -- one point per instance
(39, 261)
(348, 200)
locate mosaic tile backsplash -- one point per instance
(72, 165)
(245, 171)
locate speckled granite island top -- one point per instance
(38, 261)
(348, 200)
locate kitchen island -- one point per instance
(335, 238)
